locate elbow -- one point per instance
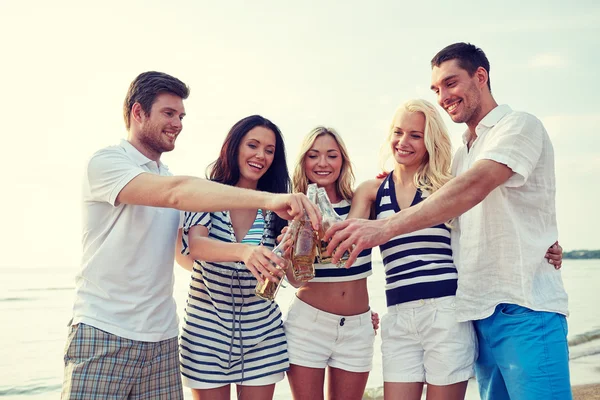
(477, 193)
(477, 197)
(184, 261)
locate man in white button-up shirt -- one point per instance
(503, 198)
(123, 336)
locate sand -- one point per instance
(586, 392)
(580, 392)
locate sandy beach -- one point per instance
(580, 392)
(586, 392)
(584, 369)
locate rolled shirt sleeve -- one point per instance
(518, 145)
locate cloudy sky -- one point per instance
(347, 64)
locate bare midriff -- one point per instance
(341, 298)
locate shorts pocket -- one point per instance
(516, 311)
(563, 323)
(447, 304)
(73, 331)
(387, 324)
(297, 319)
(369, 331)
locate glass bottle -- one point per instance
(311, 193)
(267, 290)
(305, 250)
(329, 218)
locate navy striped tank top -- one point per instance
(359, 270)
(418, 265)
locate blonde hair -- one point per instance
(434, 172)
(344, 182)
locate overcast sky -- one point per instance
(66, 67)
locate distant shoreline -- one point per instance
(581, 254)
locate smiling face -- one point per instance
(323, 162)
(457, 92)
(255, 155)
(407, 139)
(159, 129)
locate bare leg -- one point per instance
(456, 391)
(402, 390)
(306, 383)
(255, 392)
(346, 385)
(220, 393)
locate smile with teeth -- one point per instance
(322, 173)
(403, 152)
(171, 135)
(255, 165)
(452, 107)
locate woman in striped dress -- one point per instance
(231, 336)
(329, 325)
(421, 338)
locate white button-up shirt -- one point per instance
(125, 285)
(499, 245)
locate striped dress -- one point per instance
(418, 265)
(229, 334)
(361, 267)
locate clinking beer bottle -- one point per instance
(329, 218)
(305, 249)
(267, 290)
(311, 193)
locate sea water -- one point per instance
(35, 307)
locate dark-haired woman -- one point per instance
(231, 336)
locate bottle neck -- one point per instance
(325, 205)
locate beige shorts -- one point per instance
(318, 339)
(423, 342)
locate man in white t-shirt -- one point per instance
(123, 336)
(503, 198)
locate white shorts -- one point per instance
(262, 381)
(318, 339)
(423, 342)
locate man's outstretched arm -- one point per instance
(188, 193)
(453, 199)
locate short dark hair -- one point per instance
(146, 87)
(226, 169)
(470, 57)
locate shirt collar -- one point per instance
(137, 156)
(491, 119)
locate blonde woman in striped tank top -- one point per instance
(329, 326)
(422, 341)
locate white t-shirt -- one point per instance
(499, 245)
(125, 285)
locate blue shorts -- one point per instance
(523, 354)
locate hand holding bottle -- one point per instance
(267, 289)
(264, 263)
